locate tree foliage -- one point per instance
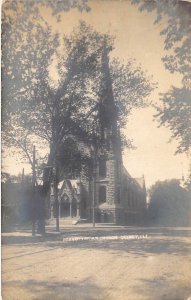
(131, 87)
(175, 113)
(52, 84)
(170, 204)
(25, 73)
(176, 33)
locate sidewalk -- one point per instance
(24, 235)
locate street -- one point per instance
(146, 264)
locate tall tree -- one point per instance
(176, 110)
(35, 105)
(23, 65)
(169, 204)
(51, 87)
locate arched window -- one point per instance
(102, 167)
(134, 201)
(65, 206)
(129, 198)
(102, 194)
(128, 201)
(118, 194)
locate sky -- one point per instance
(137, 38)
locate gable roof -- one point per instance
(136, 181)
(141, 181)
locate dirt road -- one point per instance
(156, 267)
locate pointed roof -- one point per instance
(107, 109)
(141, 181)
(137, 181)
(70, 188)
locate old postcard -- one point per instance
(96, 149)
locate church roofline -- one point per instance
(140, 181)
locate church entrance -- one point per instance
(64, 207)
(74, 208)
(68, 209)
(105, 218)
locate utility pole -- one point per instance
(56, 193)
(55, 147)
(94, 185)
(33, 192)
(93, 203)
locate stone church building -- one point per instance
(118, 198)
(110, 193)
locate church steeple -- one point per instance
(107, 108)
(108, 182)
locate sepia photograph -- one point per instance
(96, 149)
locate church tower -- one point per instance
(109, 164)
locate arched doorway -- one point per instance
(105, 218)
(102, 194)
(74, 207)
(64, 206)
